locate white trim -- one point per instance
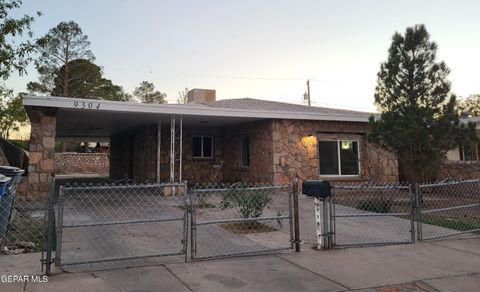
(179, 109)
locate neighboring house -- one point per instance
(207, 140)
(463, 162)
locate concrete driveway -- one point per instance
(450, 265)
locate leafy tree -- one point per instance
(182, 96)
(86, 82)
(146, 93)
(84, 77)
(14, 54)
(12, 113)
(109, 91)
(470, 105)
(418, 119)
(57, 49)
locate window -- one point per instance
(338, 157)
(469, 152)
(202, 147)
(244, 151)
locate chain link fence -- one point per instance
(239, 219)
(103, 223)
(23, 227)
(372, 214)
(448, 208)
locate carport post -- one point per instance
(295, 215)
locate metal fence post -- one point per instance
(193, 227)
(58, 247)
(50, 225)
(413, 210)
(187, 206)
(418, 207)
(296, 215)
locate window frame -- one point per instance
(201, 147)
(338, 141)
(241, 151)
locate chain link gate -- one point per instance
(239, 219)
(448, 208)
(105, 223)
(372, 214)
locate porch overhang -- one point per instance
(85, 118)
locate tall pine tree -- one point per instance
(418, 122)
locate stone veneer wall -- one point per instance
(459, 170)
(202, 170)
(72, 162)
(42, 151)
(295, 150)
(261, 152)
(133, 154)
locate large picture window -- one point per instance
(202, 147)
(338, 157)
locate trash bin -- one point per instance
(4, 182)
(6, 201)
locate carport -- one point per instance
(146, 141)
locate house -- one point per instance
(209, 140)
(463, 162)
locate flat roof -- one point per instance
(95, 118)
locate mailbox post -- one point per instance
(321, 191)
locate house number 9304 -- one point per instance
(86, 105)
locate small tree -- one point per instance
(146, 93)
(418, 122)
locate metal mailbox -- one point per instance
(317, 188)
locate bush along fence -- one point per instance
(375, 213)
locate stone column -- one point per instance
(42, 151)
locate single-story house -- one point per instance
(209, 140)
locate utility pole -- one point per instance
(308, 91)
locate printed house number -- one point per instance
(86, 105)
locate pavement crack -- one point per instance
(178, 279)
(320, 275)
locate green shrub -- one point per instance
(249, 203)
(376, 205)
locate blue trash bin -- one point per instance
(6, 201)
(4, 182)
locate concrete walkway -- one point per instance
(450, 265)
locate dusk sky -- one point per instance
(263, 49)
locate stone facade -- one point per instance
(459, 170)
(42, 151)
(261, 152)
(279, 151)
(72, 162)
(295, 150)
